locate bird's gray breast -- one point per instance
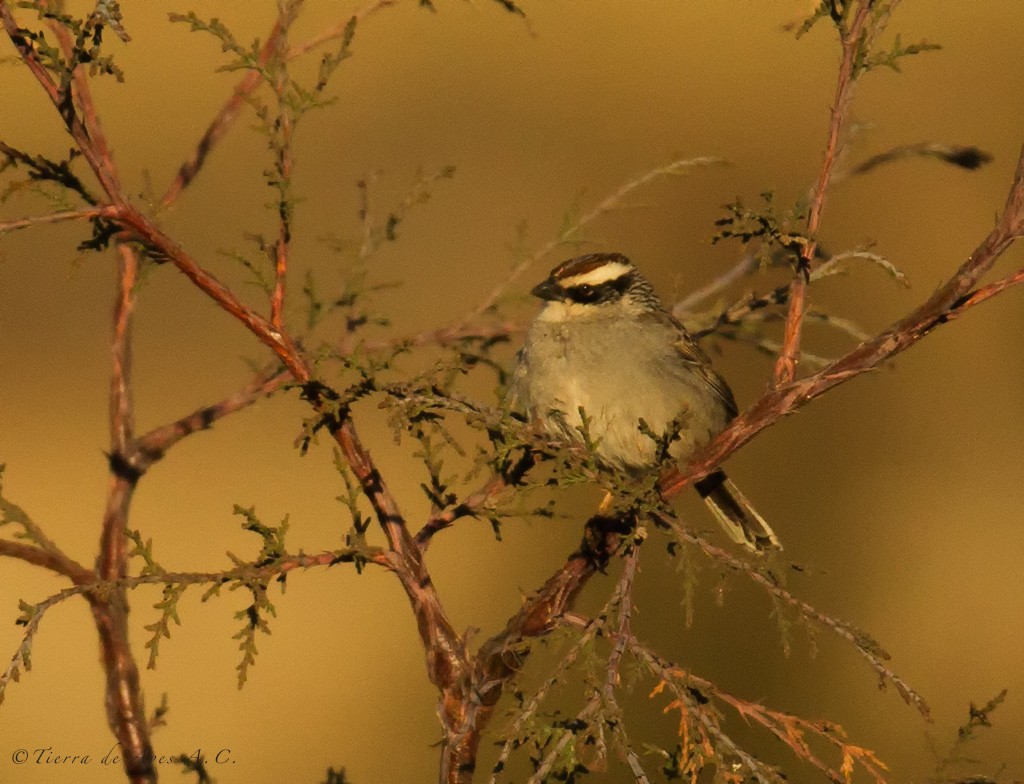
(618, 371)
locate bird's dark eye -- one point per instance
(584, 293)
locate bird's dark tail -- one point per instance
(735, 514)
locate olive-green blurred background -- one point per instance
(900, 492)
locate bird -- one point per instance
(603, 343)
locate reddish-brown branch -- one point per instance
(122, 422)
(280, 278)
(500, 657)
(868, 648)
(54, 560)
(445, 659)
(471, 505)
(43, 551)
(222, 122)
(61, 101)
(228, 113)
(692, 693)
(82, 94)
(980, 295)
(949, 301)
(602, 699)
(125, 710)
(141, 228)
(470, 688)
(154, 444)
(789, 356)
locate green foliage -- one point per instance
(979, 717)
(511, 7)
(254, 616)
(167, 605)
(260, 268)
(355, 537)
(273, 548)
(840, 11)
(774, 231)
(301, 99)
(376, 233)
(890, 58)
(41, 170)
(159, 717)
(433, 441)
(109, 13)
(351, 303)
(195, 763)
(144, 550)
(161, 627)
(254, 619)
(835, 10)
(293, 99)
(246, 57)
(336, 777)
(247, 575)
(103, 231)
(86, 44)
(12, 514)
(426, 403)
(29, 617)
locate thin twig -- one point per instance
(59, 98)
(58, 217)
(446, 660)
(964, 156)
(741, 269)
(229, 112)
(785, 366)
(97, 592)
(54, 561)
(283, 163)
(953, 297)
(83, 96)
(221, 123)
(525, 714)
(43, 551)
(589, 631)
(608, 204)
(622, 597)
(338, 30)
(154, 444)
(790, 729)
(868, 648)
(980, 295)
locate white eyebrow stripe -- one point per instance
(613, 270)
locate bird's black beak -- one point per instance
(548, 290)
